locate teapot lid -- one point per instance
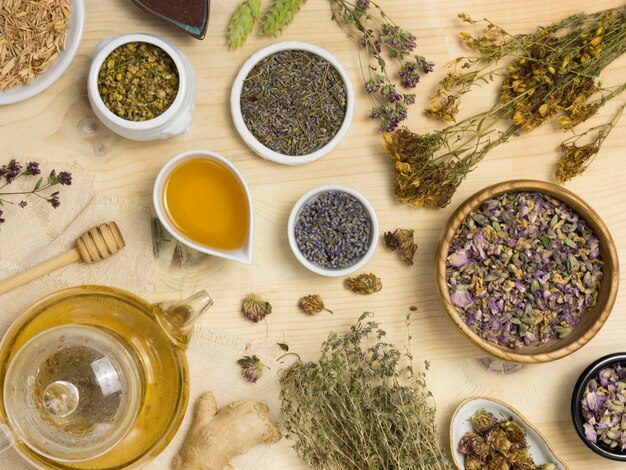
(72, 392)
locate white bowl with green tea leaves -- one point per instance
(292, 103)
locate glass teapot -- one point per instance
(94, 377)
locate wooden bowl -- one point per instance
(590, 323)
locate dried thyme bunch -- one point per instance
(550, 73)
(14, 170)
(361, 406)
(376, 33)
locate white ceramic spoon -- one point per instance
(540, 449)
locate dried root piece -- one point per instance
(217, 436)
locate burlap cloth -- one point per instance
(38, 232)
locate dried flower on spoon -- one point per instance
(255, 308)
(312, 304)
(402, 240)
(498, 444)
(364, 284)
(551, 72)
(13, 171)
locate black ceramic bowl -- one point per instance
(577, 414)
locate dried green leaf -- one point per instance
(279, 15)
(240, 26)
(283, 346)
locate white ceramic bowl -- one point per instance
(174, 120)
(60, 65)
(251, 140)
(243, 254)
(295, 213)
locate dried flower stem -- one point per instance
(574, 158)
(552, 72)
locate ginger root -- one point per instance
(215, 437)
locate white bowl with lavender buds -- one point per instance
(527, 271)
(333, 230)
(292, 102)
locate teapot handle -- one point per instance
(178, 318)
(7, 440)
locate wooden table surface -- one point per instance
(52, 126)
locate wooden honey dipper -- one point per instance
(94, 245)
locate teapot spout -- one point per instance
(178, 318)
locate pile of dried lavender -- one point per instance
(361, 406)
(497, 444)
(333, 230)
(523, 269)
(604, 406)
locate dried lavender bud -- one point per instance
(401, 239)
(251, 368)
(364, 284)
(484, 421)
(603, 407)
(312, 304)
(254, 308)
(523, 269)
(333, 230)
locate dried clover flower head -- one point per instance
(483, 421)
(473, 462)
(401, 239)
(497, 439)
(364, 283)
(499, 462)
(251, 368)
(474, 444)
(312, 304)
(514, 432)
(255, 308)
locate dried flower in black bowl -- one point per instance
(598, 406)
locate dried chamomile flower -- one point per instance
(312, 304)
(364, 284)
(401, 239)
(483, 421)
(255, 308)
(251, 368)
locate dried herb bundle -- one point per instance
(551, 72)
(361, 407)
(377, 34)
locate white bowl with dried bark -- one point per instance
(55, 60)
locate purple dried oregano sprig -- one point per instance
(523, 269)
(603, 406)
(333, 230)
(14, 171)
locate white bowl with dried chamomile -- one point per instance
(38, 41)
(142, 87)
(292, 102)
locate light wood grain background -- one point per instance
(59, 125)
